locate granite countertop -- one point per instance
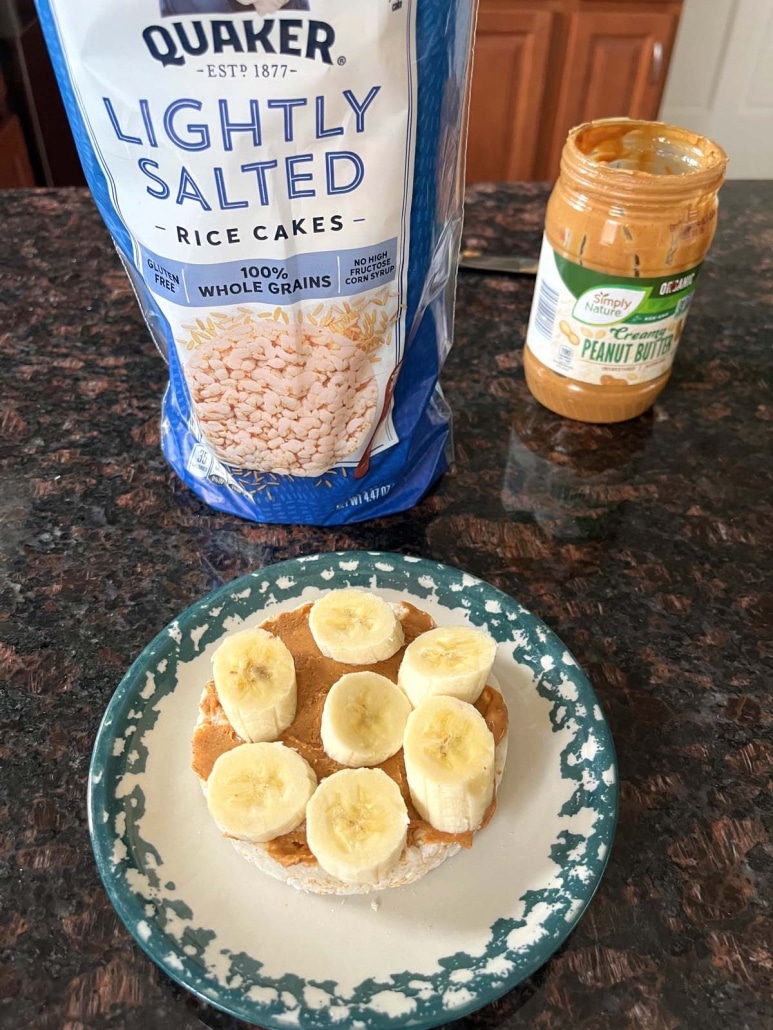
(646, 546)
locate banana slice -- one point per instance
(256, 792)
(448, 660)
(363, 719)
(355, 627)
(356, 825)
(254, 677)
(449, 760)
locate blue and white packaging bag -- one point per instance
(283, 180)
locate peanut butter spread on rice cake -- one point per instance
(315, 675)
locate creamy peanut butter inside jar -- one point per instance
(628, 225)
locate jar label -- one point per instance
(609, 330)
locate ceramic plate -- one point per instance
(414, 956)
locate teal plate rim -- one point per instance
(510, 624)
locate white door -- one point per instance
(720, 83)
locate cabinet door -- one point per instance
(616, 64)
(509, 71)
(14, 163)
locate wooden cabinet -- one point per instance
(543, 66)
(15, 167)
(615, 64)
(509, 71)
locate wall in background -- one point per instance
(720, 82)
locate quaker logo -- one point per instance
(172, 43)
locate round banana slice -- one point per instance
(256, 792)
(356, 825)
(454, 661)
(363, 719)
(254, 677)
(355, 627)
(449, 757)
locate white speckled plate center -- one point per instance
(415, 956)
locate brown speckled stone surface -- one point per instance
(646, 546)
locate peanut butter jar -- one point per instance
(628, 225)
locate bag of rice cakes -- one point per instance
(283, 182)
